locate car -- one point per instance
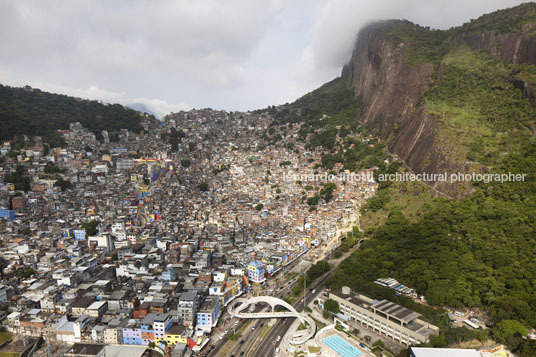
(242, 342)
(278, 338)
(242, 353)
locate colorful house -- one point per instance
(208, 314)
(256, 272)
(176, 334)
(132, 336)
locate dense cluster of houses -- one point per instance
(134, 250)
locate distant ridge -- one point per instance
(33, 112)
(140, 107)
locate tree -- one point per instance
(505, 330)
(24, 273)
(379, 343)
(259, 206)
(331, 306)
(91, 227)
(63, 184)
(203, 186)
(19, 179)
(185, 163)
(313, 201)
(34, 112)
(50, 168)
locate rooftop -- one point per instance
(399, 312)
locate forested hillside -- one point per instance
(327, 119)
(34, 112)
(478, 112)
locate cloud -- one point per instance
(333, 34)
(158, 106)
(233, 55)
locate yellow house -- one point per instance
(176, 334)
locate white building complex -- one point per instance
(384, 317)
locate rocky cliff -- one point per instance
(390, 73)
(389, 90)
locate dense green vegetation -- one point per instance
(174, 137)
(313, 273)
(37, 113)
(517, 19)
(477, 251)
(203, 186)
(473, 252)
(91, 227)
(481, 113)
(421, 44)
(50, 168)
(328, 121)
(63, 184)
(19, 179)
(331, 306)
(331, 100)
(24, 272)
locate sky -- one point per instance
(184, 54)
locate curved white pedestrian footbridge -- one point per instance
(239, 308)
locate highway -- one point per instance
(280, 327)
(249, 336)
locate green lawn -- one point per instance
(5, 337)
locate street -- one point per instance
(280, 328)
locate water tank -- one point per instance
(346, 290)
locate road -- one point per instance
(280, 327)
(249, 338)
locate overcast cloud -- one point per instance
(173, 55)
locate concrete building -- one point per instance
(443, 352)
(208, 314)
(256, 272)
(384, 317)
(187, 307)
(176, 334)
(102, 241)
(97, 309)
